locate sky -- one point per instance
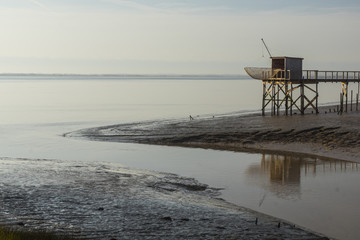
(175, 37)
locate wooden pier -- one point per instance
(286, 86)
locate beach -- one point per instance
(108, 201)
(325, 135)
(328, 136)
(143, 119)
(152, 167)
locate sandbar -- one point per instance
(331, 135)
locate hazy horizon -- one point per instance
(120, 75)
(174, 37)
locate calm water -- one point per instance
(36, 111)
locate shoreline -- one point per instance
(328, 136)
(108, 201)
(323, 136)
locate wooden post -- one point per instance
(317, 97)
(302, 94)
(341, 103)
(286, 98)
(291, 100)
(357, 97)
(351, 101)
(278, 100)
(341, 98)
(264, 97)
(346, 97)
(273, 99)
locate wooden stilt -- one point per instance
(273, 98)
(264, 97)
(317, 97)
(291, 103)
(281, 91)
(286, 99)
(341, 103)
(346, 97)
(278, 100)
(302, 93)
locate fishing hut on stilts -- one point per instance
(287, 87)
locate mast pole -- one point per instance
(266, 47)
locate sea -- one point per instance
(37, 161)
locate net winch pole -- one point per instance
(266, 47)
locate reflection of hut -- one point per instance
(284, 170)
(282, 174)
(279, 174)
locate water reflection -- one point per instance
(282, 174)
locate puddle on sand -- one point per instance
(107, 201)
(322, 195)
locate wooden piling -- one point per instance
(341, 103)
(346, 97)
(282, 92)
(264, 98)
(291, 103)
(302, 93)
(317, 97)
(278, 100)
(273, 98)
(286, 99)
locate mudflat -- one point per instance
(327, 135)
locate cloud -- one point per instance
(176, 7)
(132, 5)
(37, 3)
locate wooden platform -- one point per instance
(312, 76)
(279, 89)
(287, 86)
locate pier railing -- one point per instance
(332, 76)
(276, 75)
(312, 76)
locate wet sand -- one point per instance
(108, 201)
(330, 135)
(326, 135)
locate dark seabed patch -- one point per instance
(108, 201)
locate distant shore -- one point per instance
(325, 135)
